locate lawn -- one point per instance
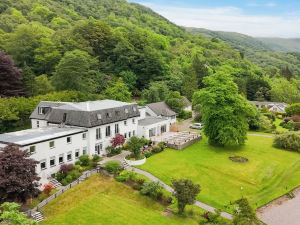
(103, 201)
(269, 173)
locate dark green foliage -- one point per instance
(134, 144)
(258, 89)
(215, 218)
(289, 141)
(157, 91)
(152, 189)
(185, 192)
(84, 160)
(293, 109)
(183, 114)
(111, 151)
(224, 112)
(113, 167)
(244, 214)
(118, 91)
(175, 101)
(126, 175)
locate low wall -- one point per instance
(183, 145)
(135, 162)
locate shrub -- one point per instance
(265, 124)
(289, 140)
(84, 160)
(126, 176)
(293, 109)
(289, 125)
(270, 116)
(96, 158)
(111, 151)
(113, 167)
(183, 114)
(297, 126)
(152, 189)
(47, 189)
(148, 154)
(65, 168)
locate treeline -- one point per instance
(118, 50)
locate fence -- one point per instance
(83, 177)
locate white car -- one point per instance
(197, 126)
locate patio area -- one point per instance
(178, 140)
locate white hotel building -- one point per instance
(62, 131)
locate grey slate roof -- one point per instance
(161, 109)
(87, 114)
(32, 136)
(268, 103)
(150, 120)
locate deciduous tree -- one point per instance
(185, 192)
(118, 91)
(17, 174)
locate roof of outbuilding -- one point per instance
(33, 136)
(186, 102)
(87, 114)
(161, 109)
(150, 120)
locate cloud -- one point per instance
(266, 4)
(231, 19)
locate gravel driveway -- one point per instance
(282, 212)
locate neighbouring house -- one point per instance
(161, 109)
(187, 104)
(63, 131)
(271, 106)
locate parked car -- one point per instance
(197, 126)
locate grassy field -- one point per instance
(269, 173)
(103, 201)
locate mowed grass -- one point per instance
(269, 173)
(103, 201)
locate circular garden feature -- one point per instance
(238, 159)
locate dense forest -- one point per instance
(119, 50)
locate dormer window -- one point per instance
(64, 117)
(99, 117)
(108, 115)
(134, 109)
(126, 110)
(41, 110)
(117, 113)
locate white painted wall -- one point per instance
(188, 108)
(143, 131)
(44, 152)
(35, 123)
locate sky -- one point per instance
(258, 18)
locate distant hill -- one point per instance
(269, 53)
(282, 44)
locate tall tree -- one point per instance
(10, 215)
(244, 214)
(185, 192)
(10, 77)
(118, 91)
(75, 71)
(17, 175)
(157, 91)
(42, 85)
(224, 111)
(189, 85)
(287, 73)
(175, 101)
(201, 68)
(28, 78)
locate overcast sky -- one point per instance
(252, 17)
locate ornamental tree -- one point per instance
(47, 189)
(134, 145)
(185, 192)
(10, 77)
(244, 214)
(224, 111)
(17, 175)
(118, 140)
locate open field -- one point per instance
(269, 173)
(103, 201)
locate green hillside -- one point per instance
(270, 54)
(282, 44)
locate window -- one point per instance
(107, 131)
(76, 153)
(152, 132)
(64, 117)
(133, 121)
(69, 140)
(126, 110)
(43, 164)
(52, 161)
(61, 159)
(37, 124)
(108, 115)
(117, 128)
(84, 136)
(129, 134)
(41, 110)
(163, 129)
(51, 144)
(133, 133)
(69, 156)
(98, 148)
(99, 117)
(134, 109)
(32, 149)
(117, 113)
(125, 135)
(125, 122)
(84, 150)
(98, 133)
